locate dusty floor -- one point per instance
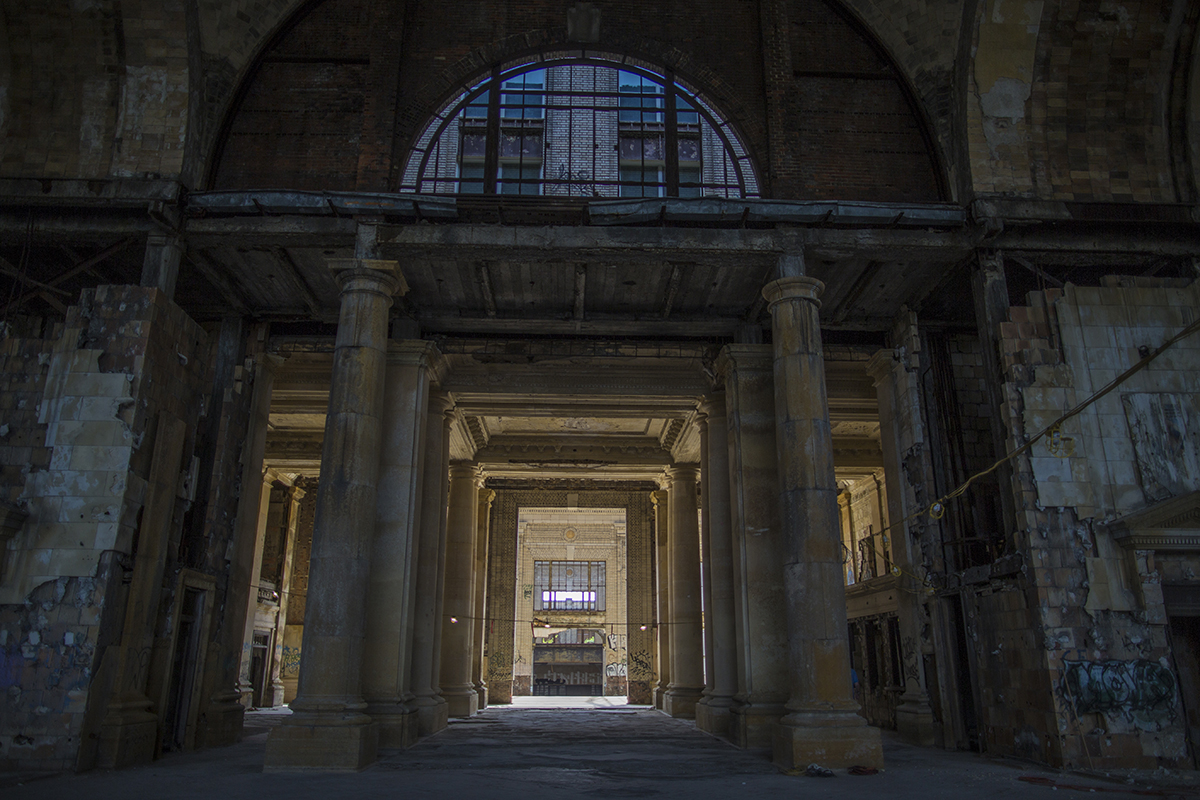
(591, 749)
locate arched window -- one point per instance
(580, 125)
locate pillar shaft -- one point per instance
(327, 728)
(900, 436)
(822, 725)
(245, 681)
(662, 593)
(431, 707)
(221, 722)
(462, 519)
(277, 689)
(390, 593)
(479, 589)
(758, 596)
(713, 713)
(687, 648)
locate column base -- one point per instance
(752, 725)
(221, 722)
(309, 742)
(914, 723)
(432, 715)
(461, 703)
(274, 695)
(715, 715)
(128, 734)
(640, 693)
(481, 691)
(397, 725)
(500, 692)
(681, 701)
(660, 696)
(832, 745)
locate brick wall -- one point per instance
(299, 124)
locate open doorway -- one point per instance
(570, 627)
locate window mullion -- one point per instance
(672, 137)
(491, 158)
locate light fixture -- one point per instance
(643, 628)
(454, 619)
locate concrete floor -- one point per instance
(591, 748)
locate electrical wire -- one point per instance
(937, 508)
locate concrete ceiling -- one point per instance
(609, 419)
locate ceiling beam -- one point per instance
(705, 328)
(219, 279)
(83, 266)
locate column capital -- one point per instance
(414, 352)
(683, 472)
(658, 497)
(359, 274)
(440, 402)
(880, 365)
(464, 469)
(800, 287)
(743, 357)
(713, 405)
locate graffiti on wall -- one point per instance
(615, 670)
(289, 664)
(1142, 692)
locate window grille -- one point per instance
(580, 125)
(568, 585)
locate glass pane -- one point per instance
(685, 112)
(689, 150)
(474, 145)
(477, 108)
(470, 178)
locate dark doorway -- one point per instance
(258, 666)
(569, 663)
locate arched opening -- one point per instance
(580, 125)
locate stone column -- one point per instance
(431, 707)
(687, 648)
(899, 420)
(390, 593)
(295, 495)
(760, 637)
(462, 525)
(662, 589)
(822, 725)
(328, 728)
(479, 622)
(713, 712)
(221, 722)
(245, 683)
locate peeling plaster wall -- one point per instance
(1098, 617)
(1002, 74)
(125, 356)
